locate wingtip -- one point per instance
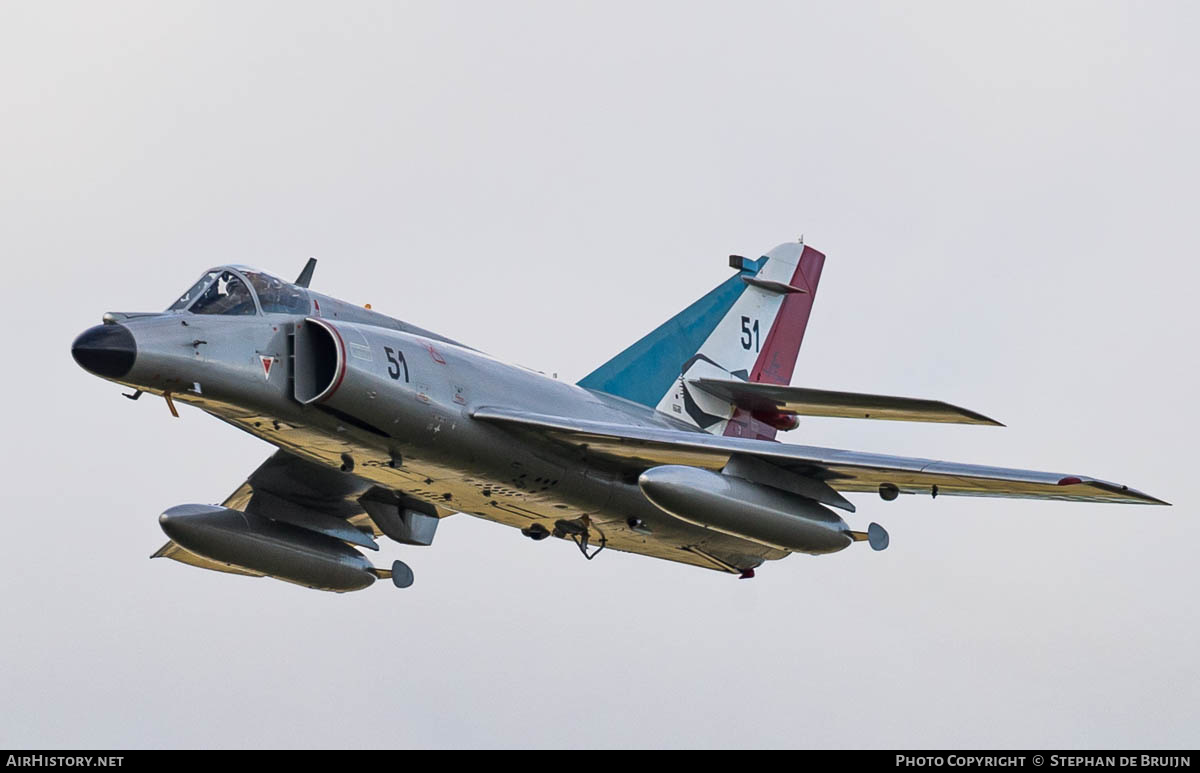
(1127, 494)
(956, 414)
(1142, 498)
(978, 418)
(1146, 499)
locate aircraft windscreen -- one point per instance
(227, 295)
(193, 292)
(276, 295)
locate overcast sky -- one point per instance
(1007, 198)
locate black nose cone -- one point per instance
(106, 350)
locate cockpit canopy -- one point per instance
(238, 290)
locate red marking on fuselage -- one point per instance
(780, 420)
(744, 424)
(434, 354)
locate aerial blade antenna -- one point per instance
(306, 275)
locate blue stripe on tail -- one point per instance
(645, 371)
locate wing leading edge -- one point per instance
(852, 471)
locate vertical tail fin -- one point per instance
(749, 327)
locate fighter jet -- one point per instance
(667, 450)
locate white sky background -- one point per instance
(1007, 197)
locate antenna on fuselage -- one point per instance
(306, 275)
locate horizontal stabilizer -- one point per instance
(844, 405)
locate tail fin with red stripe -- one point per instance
(749, 327)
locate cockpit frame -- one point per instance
(256, 282)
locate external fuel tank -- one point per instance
(280, 550)
(740, 508)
